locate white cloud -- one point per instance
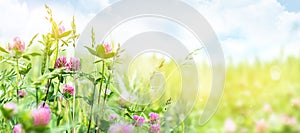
(250, 28)
(94, 4)
(246, 28)
(19, 18)
(13, 18)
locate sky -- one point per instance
(246, 28)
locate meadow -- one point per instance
(43, 89)
(258, 97)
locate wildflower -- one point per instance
(261, 126)
(155, 128)
(18, 45)
(107, 48)
(267, 108)
(22, 93)
(61, 62)
(113, 117)
(42, 115)
(18, 129)
(229, 126)
(61, 29)
(73, 64)
(139, 120)
(121, 128)
(154, 118)
(104, 51)
(295, 102)
(9, 109)
(10, 106)
(289, 121)
(68, 89)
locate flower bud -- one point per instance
(61, 62)
(68, 89)
(155, 128)
(41, 116)
(73, 64)
(107, 48)
(9, 109)
(22, 93)
(18, 45)
(61, 29)
(121, 128)
(154, 118)
(139, 120)
(18, 129)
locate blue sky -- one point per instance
(291, 5)
(246, 28)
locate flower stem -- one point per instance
(105, 94)
(37, 96)
(17, 78)
(73, 106)
(47, 92)
(70, 116)
(100, 90)
(92, 106)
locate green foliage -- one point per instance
(3, 50)
(249, 87)
(100, 52)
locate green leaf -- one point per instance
(54, 29)
(45, 40)
(93, 52)
(51, 52)
(98, 80)
(51, 69)
(100, 50)
(3, 50)
(51, 93)
(128, 115)
(59, 119)
(50, 75)
(26, 70)
(65, 34)
(64, 43)
(60, 23)
(61, 79)
(34, 54)
(104, 125)
(41, 42)
(112, 54)
(26, 57)
(97, 61)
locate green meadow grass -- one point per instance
(249, 88)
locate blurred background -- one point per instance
(261, 44)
